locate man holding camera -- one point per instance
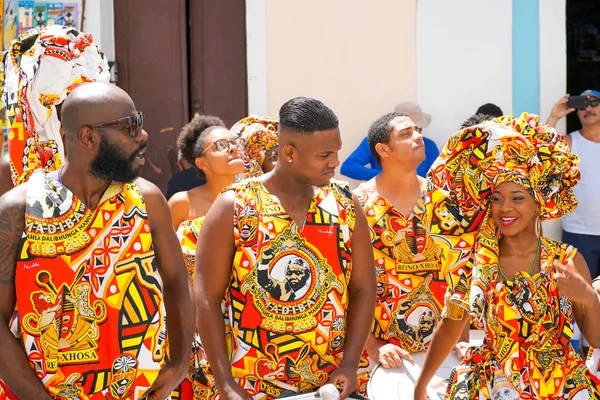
(582, 228)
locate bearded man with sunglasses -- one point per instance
(87, 260)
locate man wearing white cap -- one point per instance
(582, 227)
(357, 164)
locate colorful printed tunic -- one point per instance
(90, 307)
(288, 290)
(187, 233)
(199, 380)
(526, 353)
(593, 357)
(414, 258)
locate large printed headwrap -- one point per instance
(478, 159)
(260, 135)
(41, 67)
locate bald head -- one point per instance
(93, 103)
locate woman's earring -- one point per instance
(290, 160)
(538, 226)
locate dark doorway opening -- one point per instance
(176, 59)
(583, 50)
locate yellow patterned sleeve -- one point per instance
(455, 235)
(188, 238)
(456, 300)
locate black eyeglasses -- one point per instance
(223, 145)
(132, 123)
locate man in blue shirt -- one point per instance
(355, 166)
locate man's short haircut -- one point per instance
(191, 139)
(490, 109)
(306, 115)
(380, 130)
(475, 119)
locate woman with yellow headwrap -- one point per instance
(526, 290)
(261, 140)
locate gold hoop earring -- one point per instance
(538, 226)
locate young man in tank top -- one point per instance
(581, 228)
(296, 270)
(420, 242)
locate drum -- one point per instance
(313, 396)
(399, 383)
(326, 392)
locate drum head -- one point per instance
(399, 383)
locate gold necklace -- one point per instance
(535, 261)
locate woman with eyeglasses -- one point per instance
(217, 154)
(260, 144)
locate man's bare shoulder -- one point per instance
(226, 199)
(15, 198)
(12, 225)
(6, 183)
(153, 198)
(147, 188)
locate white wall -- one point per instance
(553, 56)
(357, 57)
(553, 73)
(256, 55)
(100, 23)
(464, 59)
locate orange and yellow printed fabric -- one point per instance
(593, 362)
(260, 136)
(187, 233)
(196, 385)
(526, 353)
(39, 70)
(90, 307)
(415, 258)
(288, 293)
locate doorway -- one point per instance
(583, 50)
(176, 59)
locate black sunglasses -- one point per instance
(593, 103)
(132, 123)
